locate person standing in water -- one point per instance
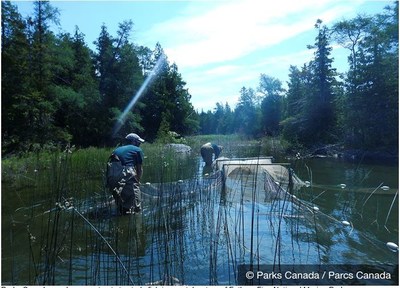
(124, 172)
(208, 150)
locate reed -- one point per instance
(62, 228)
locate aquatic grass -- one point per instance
(190, 225)
(89, 163)
(45, 227)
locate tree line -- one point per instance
(358, 109)
(56, 90)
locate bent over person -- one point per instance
(124, 171)
(208, 150)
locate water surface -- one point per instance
(197, 231)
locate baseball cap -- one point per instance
(133, 136)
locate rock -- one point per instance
(179, 148)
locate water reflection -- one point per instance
(196, 231)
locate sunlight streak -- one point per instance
(122, 118)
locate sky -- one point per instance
(219, 46)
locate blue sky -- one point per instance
(219, 45)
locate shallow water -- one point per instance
(198, 231)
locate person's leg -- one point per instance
(118, 202)
(207, 154)
(137, 203)
(131, 194)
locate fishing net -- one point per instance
(195, 231)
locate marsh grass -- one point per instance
(54, 193)
(61, 227)
(89, 163)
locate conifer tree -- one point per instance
(271, 105)
(319, 104)
(15, 75)
(43, 130)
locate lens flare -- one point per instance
(122, 118)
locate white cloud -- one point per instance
(232, 29)
(209, 39)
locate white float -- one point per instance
(392, 246)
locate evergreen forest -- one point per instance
(58, 91)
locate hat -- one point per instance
(133, 136)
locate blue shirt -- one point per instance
(129, 155)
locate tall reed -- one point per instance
(62, 228)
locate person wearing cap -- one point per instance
(125, 189)
(208, 150)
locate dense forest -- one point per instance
(56, 90)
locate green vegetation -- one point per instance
(357, 109)
(46, 177)
(56, 91)
(80, 165)
(81, 171)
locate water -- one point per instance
(366, 196)
(195, 232)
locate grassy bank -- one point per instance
(89, 163)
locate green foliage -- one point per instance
(167, 101)
(163, 135)
(370, 104)
(219, 122)
(247, 116)
(55, 90)
(14, 77)
(271, 105)
(320, 107)
(319, 114)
